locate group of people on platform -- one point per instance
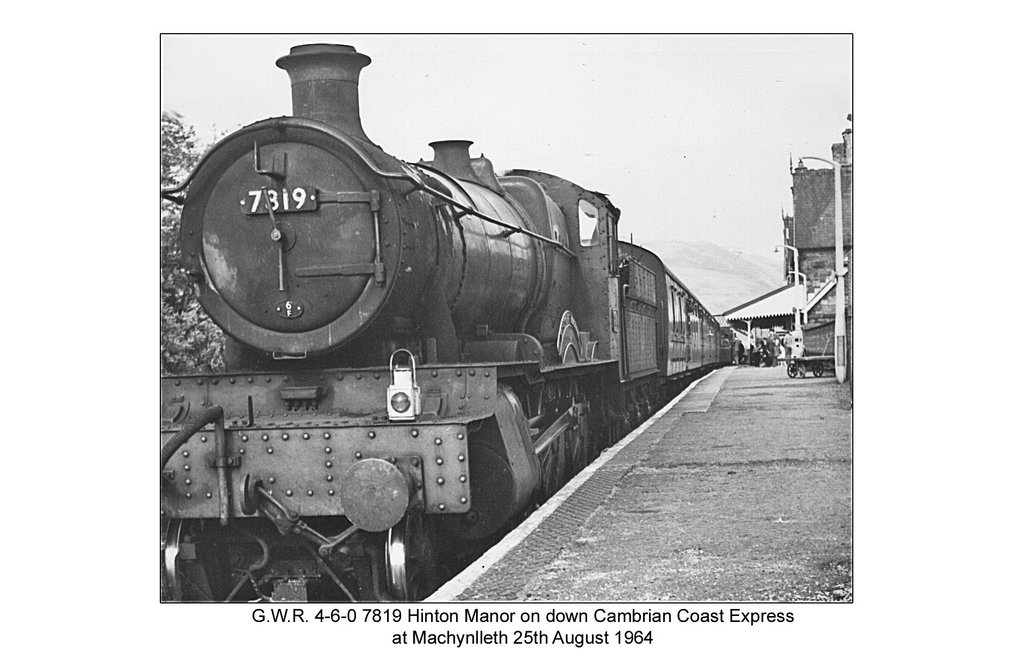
(769, 351)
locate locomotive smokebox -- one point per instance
(325, 84)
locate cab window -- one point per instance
(589, 233)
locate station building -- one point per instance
(811, 230)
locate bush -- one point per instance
(189, 341)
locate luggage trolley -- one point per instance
(817, 364)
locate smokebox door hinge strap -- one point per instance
(372, 199)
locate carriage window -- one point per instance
(589, 234)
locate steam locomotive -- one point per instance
(418, 354)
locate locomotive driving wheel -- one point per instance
(580, 445)
(409, 559)
(553, 466)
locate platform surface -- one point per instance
(740, 490)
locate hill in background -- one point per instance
(720, 278)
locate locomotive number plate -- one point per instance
(281, 200)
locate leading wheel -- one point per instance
(200, 561)
(170, 544)
(410, 560)
(791, 370)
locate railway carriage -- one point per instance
(672, 331)
(418, 354)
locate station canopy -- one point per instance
(772, 309)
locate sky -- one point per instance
(689, 135)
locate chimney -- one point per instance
(325, 84)
(839, 153)
(848, 145)
(452, 157)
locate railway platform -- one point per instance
(740, 489)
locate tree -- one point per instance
(189, 341)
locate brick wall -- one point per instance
(824, 311)
(817, 265)
(813, 209)
(821, 265)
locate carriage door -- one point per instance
(640, 308)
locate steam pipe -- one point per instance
(213, 415)
(172, 445)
